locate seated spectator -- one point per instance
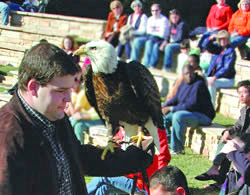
(191, 106)
(42, 4)
(221, 71)
(168, 180)
(183, 55)
(125, 184)
(4, 9)
(30, 6)
(239, 27)
(237, 151)
(138, 21)
(69, 46)
(176, 32)
(116, 20)
(193, 60)
(156, 30)
(221, 165)
(218, 19)
(79, 110)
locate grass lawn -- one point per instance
(5, 70)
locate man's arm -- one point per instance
(233, 131)
(119, 163)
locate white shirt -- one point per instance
(157, 26)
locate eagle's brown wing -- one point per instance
(146, 89)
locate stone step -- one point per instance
(204, 140)
(227, 103)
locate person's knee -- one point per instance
(6, 8)
(177, 117)
(168, 49)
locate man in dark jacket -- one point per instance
(191, 106)
(221, 165)
(39, 153)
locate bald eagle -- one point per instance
(123, 94)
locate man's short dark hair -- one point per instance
(196, 57)
(44, 61)
(185, 44)
(244, 83)
(170, 177)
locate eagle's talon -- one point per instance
(139, 137)
(109, 147)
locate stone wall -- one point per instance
(26, 29)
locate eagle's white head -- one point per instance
(102, 55)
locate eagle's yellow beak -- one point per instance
(81, 51)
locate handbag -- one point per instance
(126, 33)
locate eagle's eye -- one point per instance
(93, 48)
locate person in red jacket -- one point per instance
(105, 185)
(116, 20)
(218, 19)
(239, 27)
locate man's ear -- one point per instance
(33, 87)
(180, 191)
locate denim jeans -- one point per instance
(151, 53)
(169, 50)
(180, 120)
(81, 126)
(138, 43)
(5, 10)
(219, 83)
(238, 40)
(121, 48)
(111, 185)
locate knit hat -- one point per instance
(134, 3)
(245, 1)
(114, 4)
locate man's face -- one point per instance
(51, 99)
(160, 190)
(244, 95)
(155, 10)
(188, 75)
(191, 60)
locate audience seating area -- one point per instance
(23, 33)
